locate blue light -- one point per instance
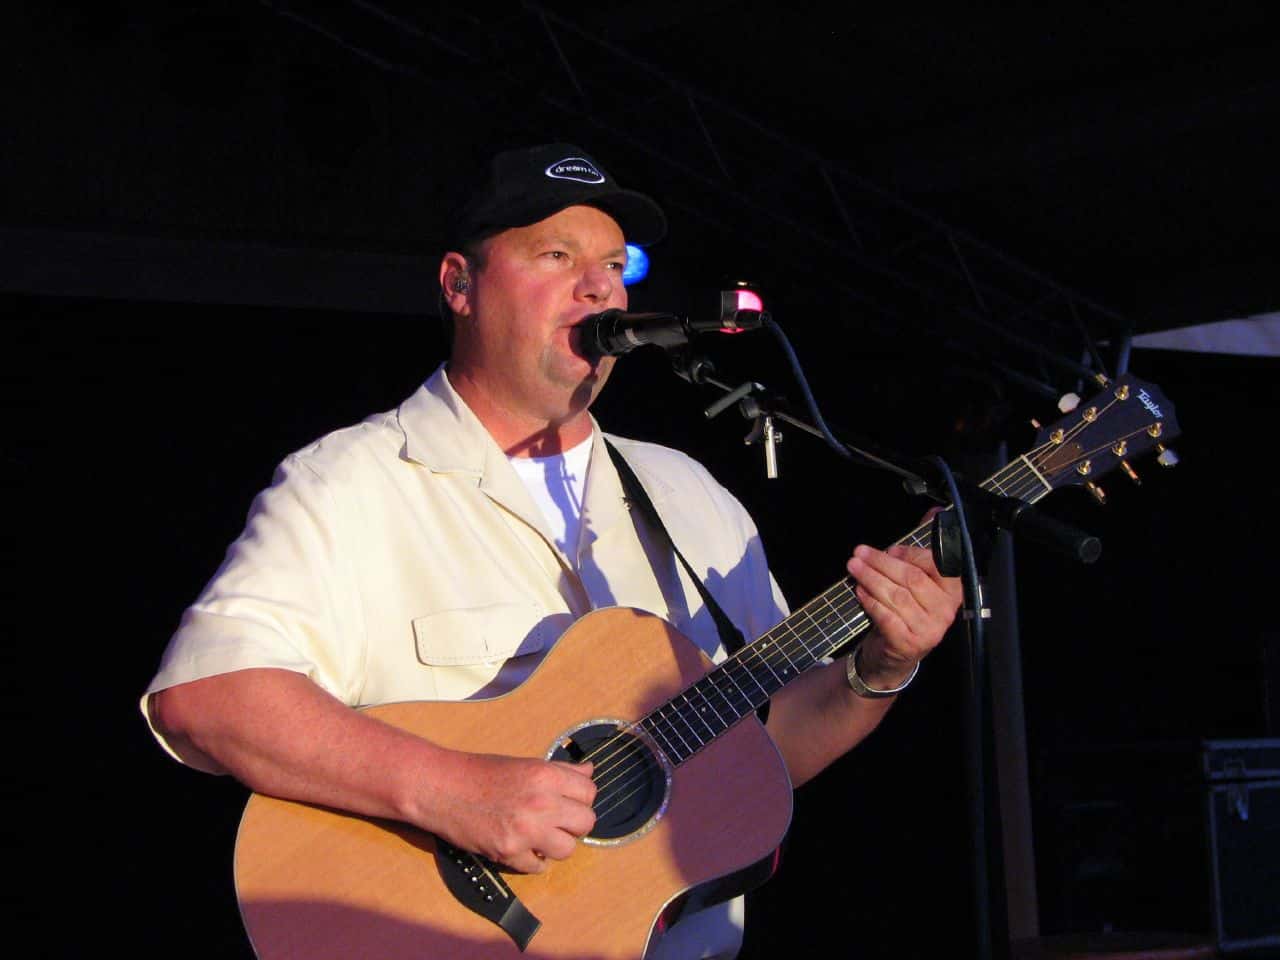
(637, 267)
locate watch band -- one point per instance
(859, 686)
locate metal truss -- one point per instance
(892, 261)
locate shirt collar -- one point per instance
(441, 432)
(444, 435)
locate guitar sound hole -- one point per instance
(631, 784)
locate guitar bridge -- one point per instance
(476, 884)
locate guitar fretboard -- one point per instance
(744, 682)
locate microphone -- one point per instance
(615, 332)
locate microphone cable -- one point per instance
(809, 400)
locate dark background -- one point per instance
(220, 225)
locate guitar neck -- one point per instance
(747, 680)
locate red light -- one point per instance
(741, 309)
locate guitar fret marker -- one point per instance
(709, 705)
(698, 714)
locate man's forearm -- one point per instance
(280, 734)
(818, 719)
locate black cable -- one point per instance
(975, 730)
(810, 402)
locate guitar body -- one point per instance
(315, 883)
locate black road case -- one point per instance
(1242, 829)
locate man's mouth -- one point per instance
(579, 343)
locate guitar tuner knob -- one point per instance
(1068, 402)
(1167, 457)
(1098, 493)
(1130, 472)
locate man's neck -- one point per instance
(516, 432)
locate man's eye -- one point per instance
(616, 265)
(557, 254)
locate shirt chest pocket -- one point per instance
(487, 634)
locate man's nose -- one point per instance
(596, 283)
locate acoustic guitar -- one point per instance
(693, 799)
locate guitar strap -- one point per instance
(730, 635)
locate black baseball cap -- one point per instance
(529, 184)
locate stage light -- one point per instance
(741, 308)
(637, 267)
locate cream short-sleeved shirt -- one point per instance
(403, 559)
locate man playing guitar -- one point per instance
(438, 551)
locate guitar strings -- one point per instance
(621, 782)
(778, 658)
(615, 777)
(622, 766)
(612, 776)
(757, 651)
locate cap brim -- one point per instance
(641, 219)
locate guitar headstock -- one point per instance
(1123, 421)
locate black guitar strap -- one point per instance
(730, 635)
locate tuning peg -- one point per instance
(1120, 448)
(1167, 457)
(1098, 493)
(1068, 402)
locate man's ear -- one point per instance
(455, 283)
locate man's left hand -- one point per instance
(911, 604)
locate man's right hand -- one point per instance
(515, 811)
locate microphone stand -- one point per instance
(952, 546)
(758, 404)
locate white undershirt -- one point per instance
(556, 485)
